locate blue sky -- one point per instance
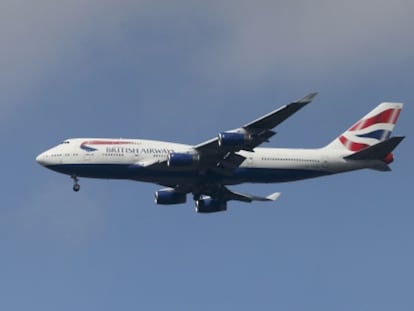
(183, 71)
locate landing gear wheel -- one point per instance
(76, 185)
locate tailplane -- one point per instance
(381, 151)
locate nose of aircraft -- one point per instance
(41, 159)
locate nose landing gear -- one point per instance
(76, 185)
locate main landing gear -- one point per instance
(76, 185)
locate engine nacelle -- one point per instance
(228, 139)
(169, 196)
(182, 159)
(209, 205)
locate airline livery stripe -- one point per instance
(387, 116)
(87, 148)
(350, 145)
(378, 134)
(86, 144)
(107, 142)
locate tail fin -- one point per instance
(372, 129)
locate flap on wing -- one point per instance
(226, 194)
(249, 198)
(231, 161)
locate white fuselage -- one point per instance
(137, 159)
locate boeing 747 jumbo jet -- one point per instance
(232, 157)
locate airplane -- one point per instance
(232, 157)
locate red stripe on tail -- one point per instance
(387, 116)
(350, 145)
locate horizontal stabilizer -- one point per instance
(378, 151)
(381, 166)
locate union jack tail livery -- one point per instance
(372, 129)
(369, 138)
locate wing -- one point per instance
(219, 156)
(222, 193)
(216, 201)
(237, 196)
(220, 152)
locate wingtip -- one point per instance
(273, 196)
(308, 98)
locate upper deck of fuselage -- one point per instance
(76, 150)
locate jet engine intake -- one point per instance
(228, 139)
(209, 205)
(182, 159)
(169, 196)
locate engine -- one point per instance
(182, 159)
(209, 205)
(228, 139)
(169, 196)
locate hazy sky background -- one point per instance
(183, 71)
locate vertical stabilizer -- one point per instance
(372, 129)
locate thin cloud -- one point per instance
(263, 37)
(39, 36)
(241, 41)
